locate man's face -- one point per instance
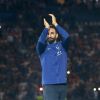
(52, 35)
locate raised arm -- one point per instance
(41, 44)
(64, 34)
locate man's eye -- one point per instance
(52, 33)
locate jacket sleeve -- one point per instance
(64, 36)
(41, 44)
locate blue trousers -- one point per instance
(55, 92)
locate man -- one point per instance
(52, 51)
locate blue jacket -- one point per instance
(53, 58)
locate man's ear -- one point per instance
(57, 35)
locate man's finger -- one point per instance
(44, 19)
(51, 15)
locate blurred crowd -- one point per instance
(21, 23)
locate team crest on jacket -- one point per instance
(59, 52)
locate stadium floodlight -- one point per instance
(94, 89)
(98, 88)
(41, 89)
(68, 72)
(0, 26)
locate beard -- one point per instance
(51, 40)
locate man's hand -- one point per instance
(46, 24)
(54, 22)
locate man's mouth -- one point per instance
(50, 38)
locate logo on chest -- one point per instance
(59, 52)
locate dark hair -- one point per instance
(52, 26)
